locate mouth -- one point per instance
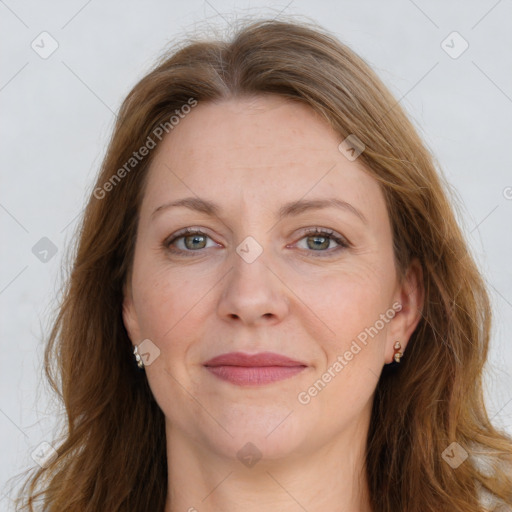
(253, 370)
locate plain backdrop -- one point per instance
(58, 109)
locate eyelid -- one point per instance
(182, 233)
(342, 241)
(325, 231)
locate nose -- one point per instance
(253, 293)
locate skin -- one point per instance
(250, 156)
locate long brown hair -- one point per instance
(112, 455)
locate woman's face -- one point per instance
(259, 177)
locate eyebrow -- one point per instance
(287, 210)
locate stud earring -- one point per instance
(140, 364)
(398, 354)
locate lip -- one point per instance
(253, 369)
(252, 360)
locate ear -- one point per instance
(130, 320)
(410, 295)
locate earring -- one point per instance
(140, 364)
(398, 354)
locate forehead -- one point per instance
(267, 149)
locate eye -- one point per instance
(323, 241)
(188, 240)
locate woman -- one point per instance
(272, 306)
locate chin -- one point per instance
(273, 436)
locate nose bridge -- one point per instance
(252, 291)
(250, 262)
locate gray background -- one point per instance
(58, 114)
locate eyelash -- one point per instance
(326, 233)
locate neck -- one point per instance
(332, 477)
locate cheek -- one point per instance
(352, 306)
(169, 299)
(351, 303)
(347, 300)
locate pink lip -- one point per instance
(245, 369)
